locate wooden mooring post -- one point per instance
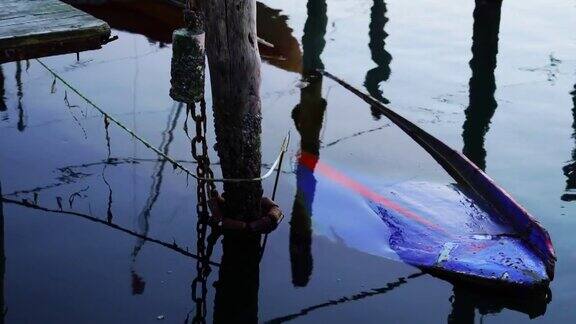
(234, 61)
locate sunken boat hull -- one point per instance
(467, 228)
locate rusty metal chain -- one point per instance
(204, 189)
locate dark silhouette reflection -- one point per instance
(482, 103)
(272, 26)
(359, 296)
(167, 245)
(308, 116)
(570, 168)
(313, 39)
(158, 19)
(238, 282)
(467, 299)
(21, 117)
(2, 91)
(380, 56)
(463, 307)
(138, 283)
(2, 260)
(109, 215)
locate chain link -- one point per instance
(204, 188)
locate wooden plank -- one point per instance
(34, 28)
(7, 25)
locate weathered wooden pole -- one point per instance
(234, 63)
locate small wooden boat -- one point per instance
(468, 229)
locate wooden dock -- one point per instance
(37, 28)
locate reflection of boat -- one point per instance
(158, 19)
(273, 27)
(471, 229)
(465, 301)
(153, 19)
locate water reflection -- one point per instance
(381, 73)
(61, 211)
(236, 299)
(570, 168)
(2, 93)
(154, 19)
(158, 19)
(466, 300)
(157, 179)
(482, 84)
(308, 116)
(20, 94)
(273, 27)
(356, 297)
(2, 260)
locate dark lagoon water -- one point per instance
(497, 83)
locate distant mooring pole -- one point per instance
(234, 61)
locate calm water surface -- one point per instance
(496, 81)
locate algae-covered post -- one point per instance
(234, 61)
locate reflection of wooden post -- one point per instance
(2, 258)
(482, 104)
(308, 116)
(20, 93)
(2, 91)
(463, 308)
(234, 61)
(381, 73)
(570, 169)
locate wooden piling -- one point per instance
(234, 61)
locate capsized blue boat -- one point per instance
(459, 238)
(471, 229)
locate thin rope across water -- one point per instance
(174, 162)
